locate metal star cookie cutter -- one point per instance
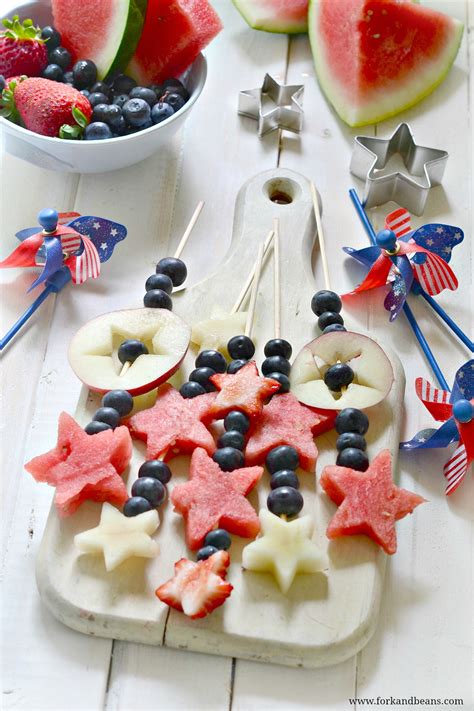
(425, 168)
(274, 106)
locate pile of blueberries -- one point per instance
(284, 498)
(120, 107)
(327, 306)
(149, 490)
(351, 425)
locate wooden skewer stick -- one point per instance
(276, 277)
(125, 368)
(251, 276)
(322, 245)
(189, 229)
(254, 292)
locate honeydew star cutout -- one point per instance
(120, 537)
(216, 331)
(284, 549)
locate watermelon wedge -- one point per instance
(375, 58)
(174, 33)
(284, 16)
(106, 31)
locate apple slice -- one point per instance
(93, 350)
(373, 372)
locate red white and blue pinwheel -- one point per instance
(455, 410)
(406, 259)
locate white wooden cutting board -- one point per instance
(323, 620)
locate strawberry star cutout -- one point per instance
(173, 425)
(213, 498)
(197, 588)
(83, 466)
(285, 421)
(246, 391)
(369, 502)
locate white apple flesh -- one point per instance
(93, 350)
(373, 372)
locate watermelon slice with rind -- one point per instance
(283, 16)
(375, 58)
(106, 31)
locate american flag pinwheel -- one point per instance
(403, 256)
(455, 410)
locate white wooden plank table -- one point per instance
(423, 643)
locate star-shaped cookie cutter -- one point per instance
(274, 106)
(425, 168)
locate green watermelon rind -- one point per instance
(131, 36)
(270, 25)
(372, 116)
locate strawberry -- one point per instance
(197, 588)
(22, 51)
(46, 107)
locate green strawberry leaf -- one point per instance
(16, 30)
(72, 133)
(79, 117)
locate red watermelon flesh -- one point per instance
(375, 58)
(284, 16)
(174, 33)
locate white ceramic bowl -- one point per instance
(94, 156)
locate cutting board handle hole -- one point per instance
(282, 191)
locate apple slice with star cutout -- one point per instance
(93, 350)
(373, 372)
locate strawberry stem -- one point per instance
(16, 30)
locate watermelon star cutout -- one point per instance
(369, 502)
(84, 467)
(216, 499)
(285, 421)
(246, 391)
(120, 537)
(173, 425)
(284, 550)
(197, 588)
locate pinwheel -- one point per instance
(66, 249)
(455, 409)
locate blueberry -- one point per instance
(172, 81)
(159, 281)
(276, 364)
(236, 365)
(174, 268)
(95, 427)
(352, 420)
(68, 78)
(201, 376)
(85, 73)
(101, 87)
(229, 458)
(212, 359)
(285, 501)
(176, 101)
(352, 440)
(232, 438)
(136, 112)
(120, 400)
(97, 131)
(236, 420)
(156, 469)
(109, 415)
(53, 72)
(51, 37)
(84, 92)
(219, 538)
(353, 458)
(241, 347)
(3, 83)
(136, 505)
(62, 57)
(173, 87)
(327, 318)
(111, 114)
(285, 477)
(123, 84)
(338, 376)
(98, 98)
(130, 350)
(151, 489)
(278, 347)
(141, 92)
(282, 379)
(160, 112)
(283, 457)
(325, 301)
(121, 100)
(191, 389)
(205, 552)
(119, 126)
(157, 299)
(334, 327)
(100, 112)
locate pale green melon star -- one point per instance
(216, 331)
